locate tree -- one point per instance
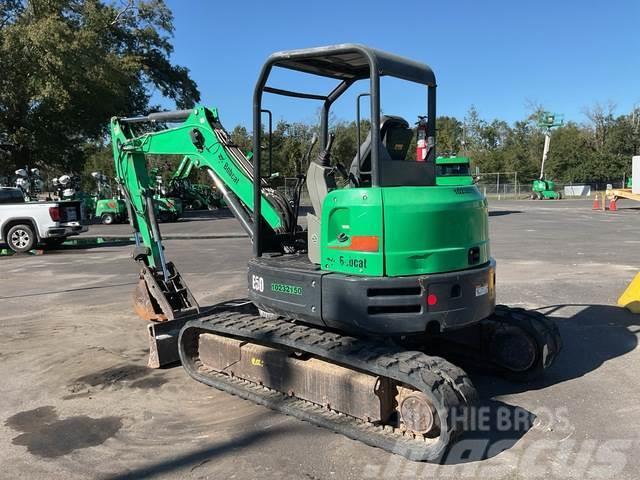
(69, 65)
(523, 149)
(241, 138)
(449, 135)
(601, 118)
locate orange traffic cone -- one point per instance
(612, 205)
(596, 203)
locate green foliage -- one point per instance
(599, 151)
(449, 134)
(69, 65)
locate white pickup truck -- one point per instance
(24, 225)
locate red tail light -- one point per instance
(54, 213)
(432, 299)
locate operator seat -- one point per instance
(395, 136)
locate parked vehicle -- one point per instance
(167, 207)
(109, 208)
(195, 196)
(24, 225)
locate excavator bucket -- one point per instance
(166, 303)
(157, 299)
(149, 301)
(145, 306)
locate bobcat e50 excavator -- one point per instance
(345, 316)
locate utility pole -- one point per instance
(635, 122)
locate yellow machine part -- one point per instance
(630, 299)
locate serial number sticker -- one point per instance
(482, 290)
(288, 289)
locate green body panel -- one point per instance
(348, 213)
(629, 183)
(453, 171)
(431, 229)
(420, 230)
(111, 205)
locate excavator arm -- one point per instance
(199, 137)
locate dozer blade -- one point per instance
(163, 336)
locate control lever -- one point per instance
(307, 156)
(324, 157)
(340, 168)
(297, 194)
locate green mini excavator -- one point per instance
(352, 310)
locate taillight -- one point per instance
(432, 299)
(54, 213)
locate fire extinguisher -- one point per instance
(421, 146)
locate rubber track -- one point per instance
(447, 385)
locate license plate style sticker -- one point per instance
(482, 290)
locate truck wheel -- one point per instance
(21, 238)
(108, 219)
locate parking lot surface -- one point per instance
(79, 402)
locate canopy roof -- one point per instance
(351, 62)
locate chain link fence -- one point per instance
(495, 186)
(507, 186)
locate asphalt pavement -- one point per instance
(79, 402)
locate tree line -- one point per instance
(67, 66)
(597, 150)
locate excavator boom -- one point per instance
(199, 136)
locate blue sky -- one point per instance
(498, 55)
